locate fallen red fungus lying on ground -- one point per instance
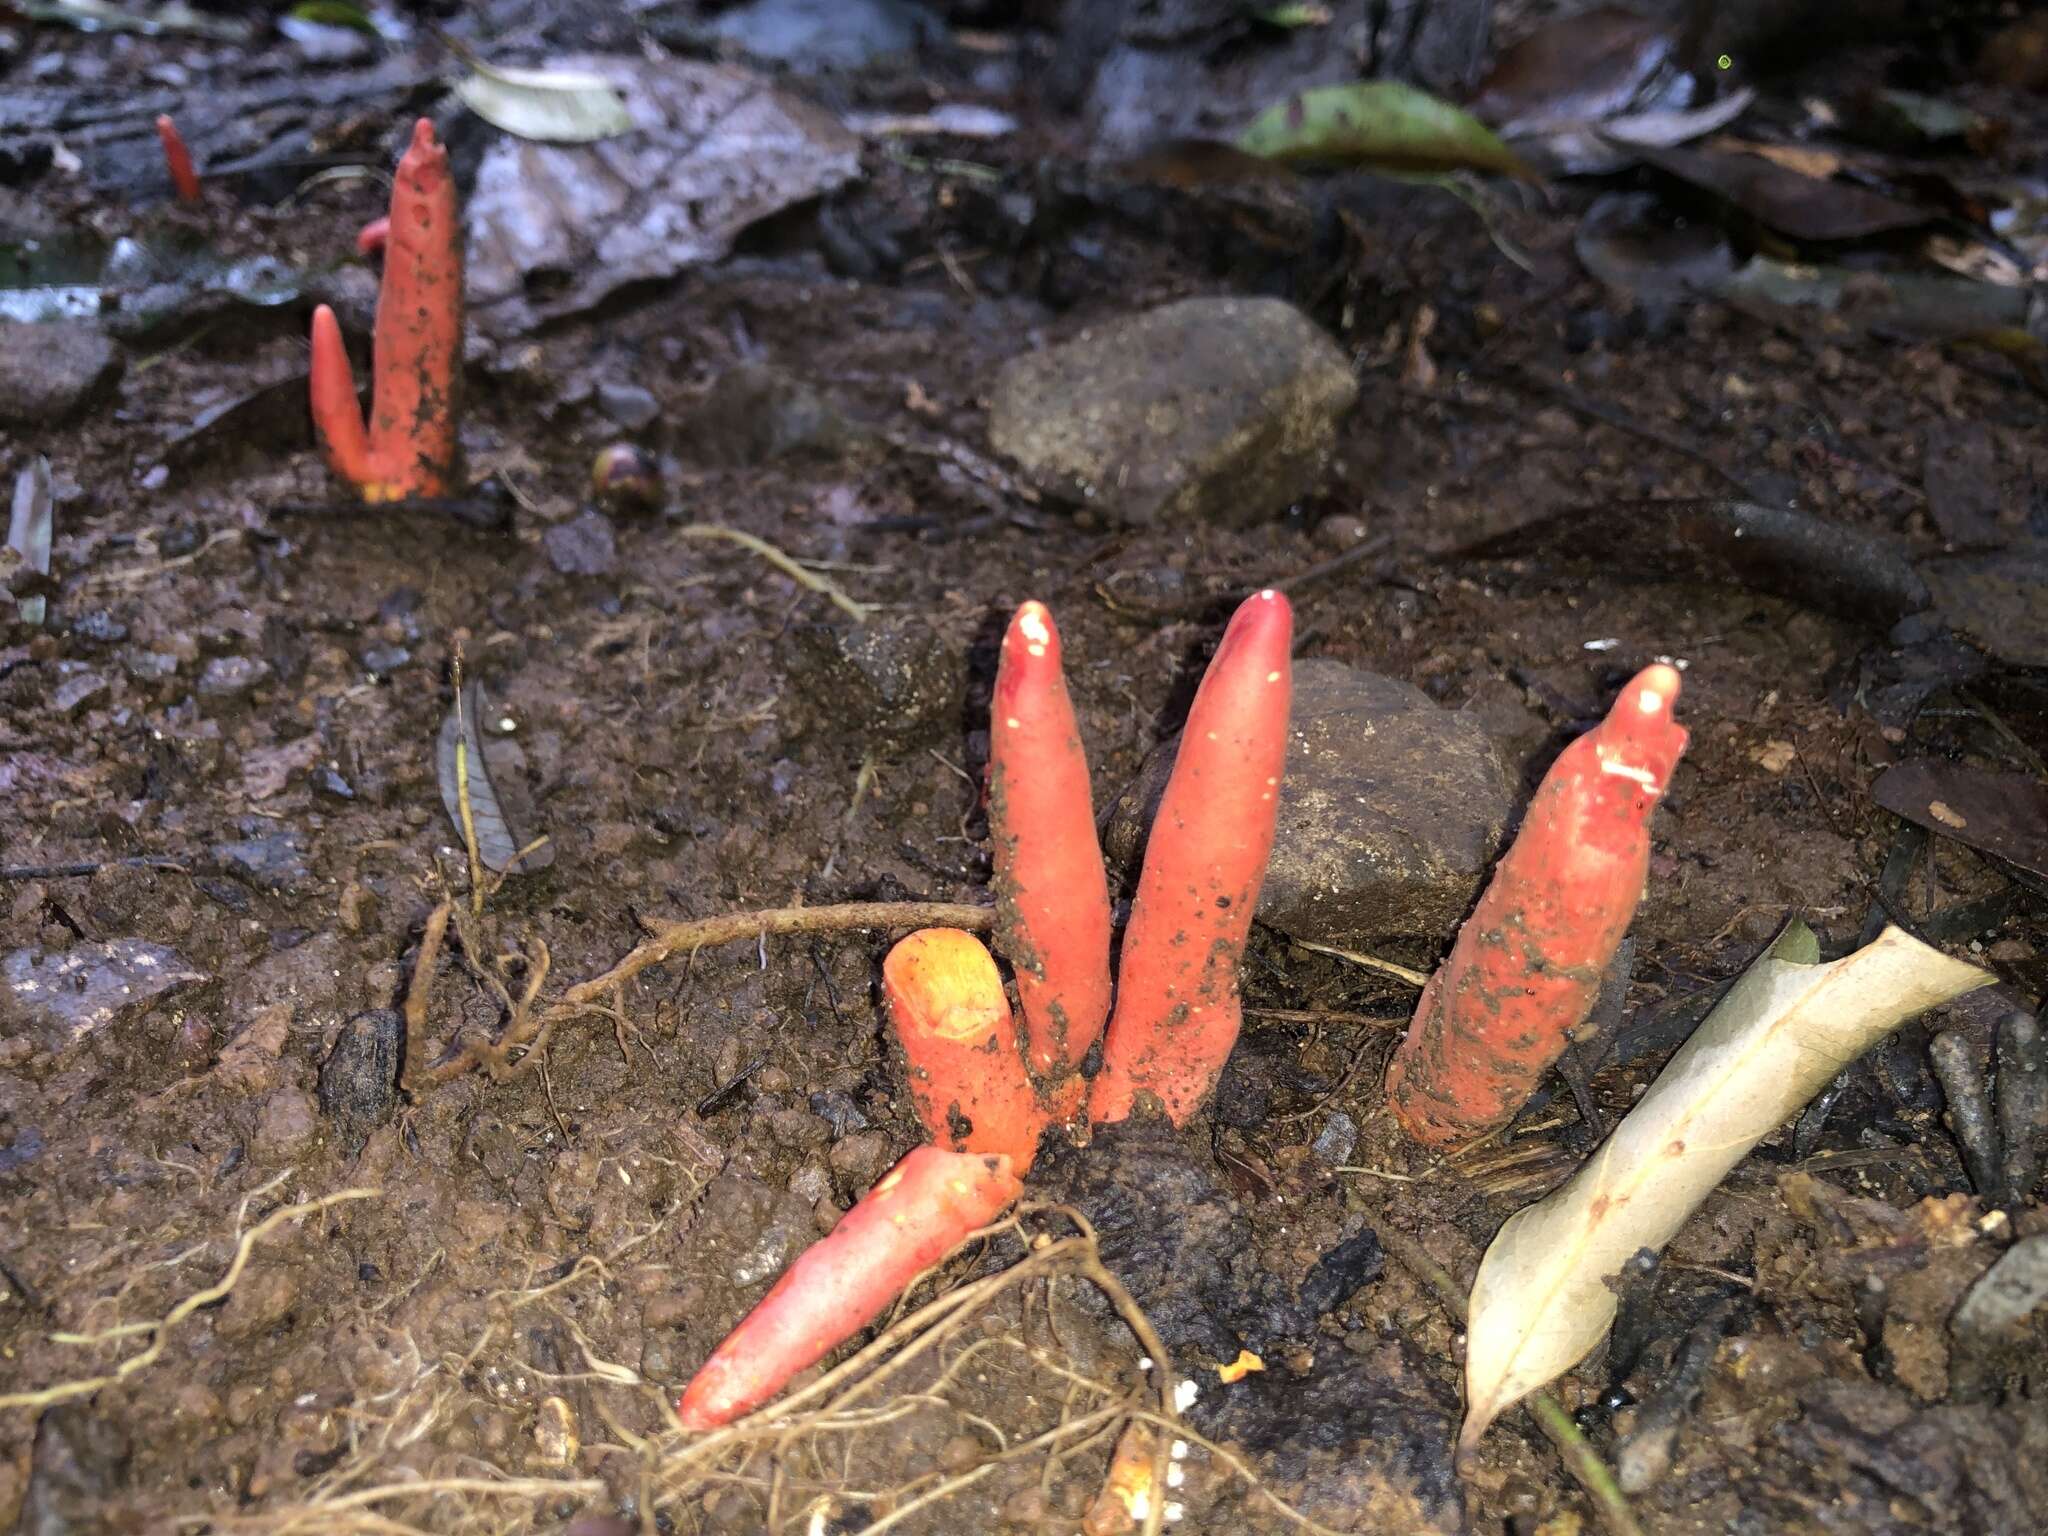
(409, 448)
(922, 1209)
(1527, 963)
(1052, 898)
(1177, 1010)
(967, 1077)
(178, 160)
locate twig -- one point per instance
(1370, 962)
(91, 867)
(1580, 1459)
(810, 580)
(160, 1330)
(671, 939)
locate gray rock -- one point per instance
(275, 863)
(76, 691)
(755, 414)
(65, 997)
(583, 546)
(892, 680)
(229, 677)
(631, 406)
(52, 371)
(1212, 409)
(1390, 814)
(1338, 1140)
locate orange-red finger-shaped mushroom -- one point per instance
(1526, 967)
(922, 1209)
(410, 445)
(178, 160)
(1052, 897)
(967, 1076)
(1177, 1011)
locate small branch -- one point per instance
(810, 580)
(671, 939)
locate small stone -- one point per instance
(98, 627)
(359, 1079)
(328, 783)
(262, 1298)
(629, 405)
(893, 680)
(857, 1161)
(273, 863)
(584, 546)
(1337, 1140)
(76, 691)
(838, 1111)
(229, 677)
(289, 1123)
(1207, 410)
(756, 414)
(1391, 812)
(383, 660)
(812, 1183)
(798, 1129)
(149, 666)
(671, 1309)
(51, 371)
(1341, 531)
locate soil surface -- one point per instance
(224, 831)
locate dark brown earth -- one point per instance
(494, 1285)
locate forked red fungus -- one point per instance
(922, 1209)
(178, 160)
(967, 1076)
(1177, 1010)
(1052, 897)
(1527, 964)
(371, 237)
(409, 448)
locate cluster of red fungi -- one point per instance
(1496, 1015)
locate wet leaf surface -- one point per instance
(2003, 814)
(1804, 207)
(1999, 601)
(1382, 125)
(556, 229)
(557, 106)
(462, 763)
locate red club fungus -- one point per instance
(966, 1074)
(178, 160)
(1177, 1011)
(371, 237)
(1052, 898)
(922, 1209)
(409, 448)
(1527, 964)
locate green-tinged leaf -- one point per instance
(558, 106)
(29, 528)
(1784, 1029)
(1381, 124)
(1294, 16)
(335, 13)
(460, 766)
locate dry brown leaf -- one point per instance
(1787, 1027)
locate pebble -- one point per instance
(77, 691)
(1391, 812)
(287, 1126)
(629, 405)
(586, 545)
(52, 371)
(1217, 410)
(1338, 1140)
(230, 677)
(858, 1160)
